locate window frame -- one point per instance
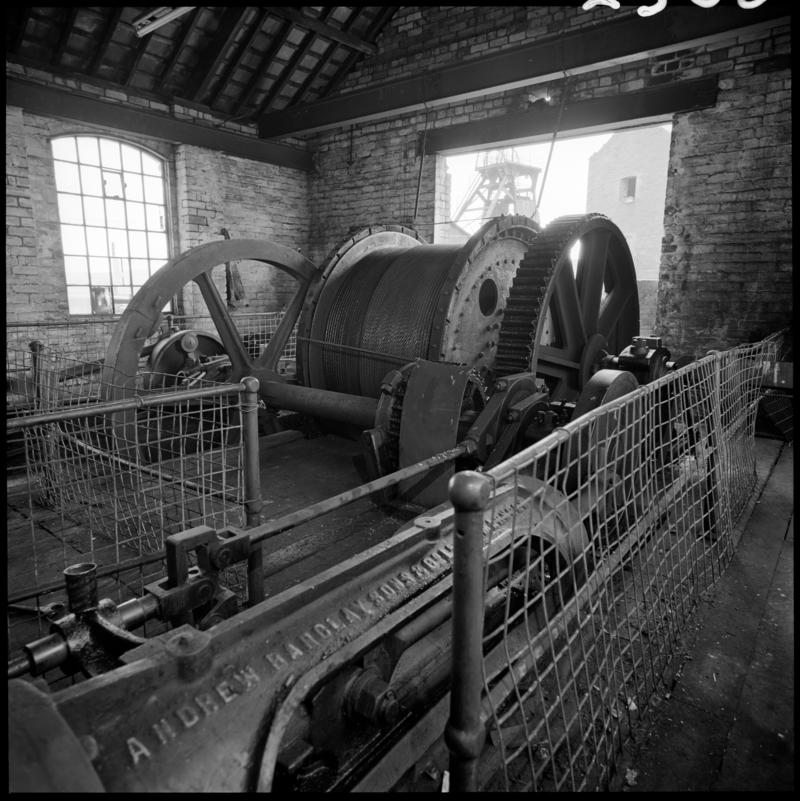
(131, 286)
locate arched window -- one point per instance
(112, 209)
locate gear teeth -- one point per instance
(530, 293)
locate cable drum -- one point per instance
(386, 298)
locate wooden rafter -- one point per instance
(324, 29)
(234, 63)
(252, 85)
(216, 51)
(108, 33)
(321, 61)
(63, 38)
(374, 29)
(187, 30)
(15, 40)
(286, 72)
(137, 57)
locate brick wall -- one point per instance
(726, 253)
(208, 190)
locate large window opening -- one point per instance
(622, 174)
(112, 208)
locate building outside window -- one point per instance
(112, 210)
(628, 189)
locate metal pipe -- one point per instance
(81, 583)
(465, 732)
(252, 487)
(20, 666)
(338, 406)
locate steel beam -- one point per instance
(324, 29)
(49, 102)
(616, 42)
(643, 106)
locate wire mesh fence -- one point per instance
(106, 482)
(601, 537)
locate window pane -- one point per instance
(117, 242)
(120, 274)
(157, 246)
(120, 305)
(66, 177)
(78, 299)
(76, 269)
(133, 186)
(115, 209)
(99, 270)
(156, 264)
(138, 245)
(156, 218)
(135, 215)
(87, 150)
(97, 242)
(91, 183)
(109, 151)
(130, 159)
(101, 300)
(73, 240)
(69, 209)
(153, 190)
(151, 166)
(139, 271)
(94, 211)
(112, 181)
(64, 148)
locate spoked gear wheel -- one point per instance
(560, 318)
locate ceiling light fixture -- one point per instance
(153, 20)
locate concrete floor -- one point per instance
(728, 722)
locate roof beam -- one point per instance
(216, 51)
(137, 57)
(324, 29)
(64, 104)
(22, 16)
(186, 32)
(244, 46)
(108, 33)
(645, 105)
(66, 31)
(617, 42)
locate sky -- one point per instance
(566, 181)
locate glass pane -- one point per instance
(117, 242)
(101, 300)
(73, 240)
(133, 186)
(94, 211)
(139, 270)
(120, 275)
(156, 264)
(66, 177)
(153, 190)
(135, 215)
(157, 246)
(119, 305)
(69, 209)
(138, 245)
(130, 159)
(156, 218)
(64, 148)
(87, 150)
(78, 299)
(115, 209)
(91, 181)
(96, 240)
(76, 269)
(113, 183)
(151, 165)
(99, 270)
(109, 151)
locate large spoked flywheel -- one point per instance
(574, 298)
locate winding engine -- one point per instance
(433, 358)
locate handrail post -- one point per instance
(252, 487)
(465, 732)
